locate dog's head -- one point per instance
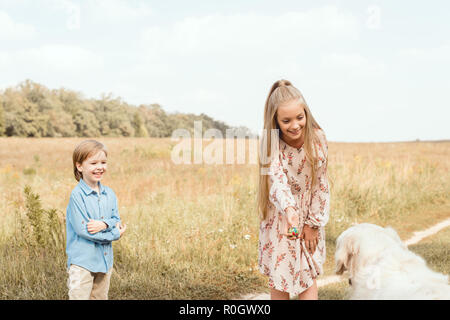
(346, 249)
(394, 235)
(362, 244)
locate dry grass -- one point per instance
(436, 251)
(187, 224)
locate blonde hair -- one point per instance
(83, 151)
(282, 91)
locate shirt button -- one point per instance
(105, 253)
(101, 217)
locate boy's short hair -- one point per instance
(83, 151)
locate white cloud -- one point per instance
(61, 57)
(49, 59)
(354, 64)
(57, 66)
(234, 34)
(11, 30)
(116, 10)
(436, 54)
(83, 14)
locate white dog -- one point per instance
(381, 267)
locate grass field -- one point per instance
(193, 229)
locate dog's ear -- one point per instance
(345, 251)
(340, 266)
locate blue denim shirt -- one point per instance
(91, 251)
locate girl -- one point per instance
(92, 223)
(293, 193)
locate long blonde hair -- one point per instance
(281, 92)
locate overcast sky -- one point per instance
(369, 70)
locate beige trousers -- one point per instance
(86, 285)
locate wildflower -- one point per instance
(233, 246)
(247, 237)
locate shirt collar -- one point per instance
(88, 190)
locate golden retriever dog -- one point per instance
(380, 266)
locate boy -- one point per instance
(92, 223)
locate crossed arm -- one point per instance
(90, 229)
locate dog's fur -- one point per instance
(380, 266)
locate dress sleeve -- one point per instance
(280, 194)
(319, 208)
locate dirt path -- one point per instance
(417, 237)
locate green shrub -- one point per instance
(45, 227)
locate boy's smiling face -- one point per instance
(93, 168)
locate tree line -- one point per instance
(32, 110)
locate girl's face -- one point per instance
(291, 119)
(93, 168)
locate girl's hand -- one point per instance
(292, 220)
(311, 237)
(121, 228)
(95, 226)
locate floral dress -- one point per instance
(287, 263)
